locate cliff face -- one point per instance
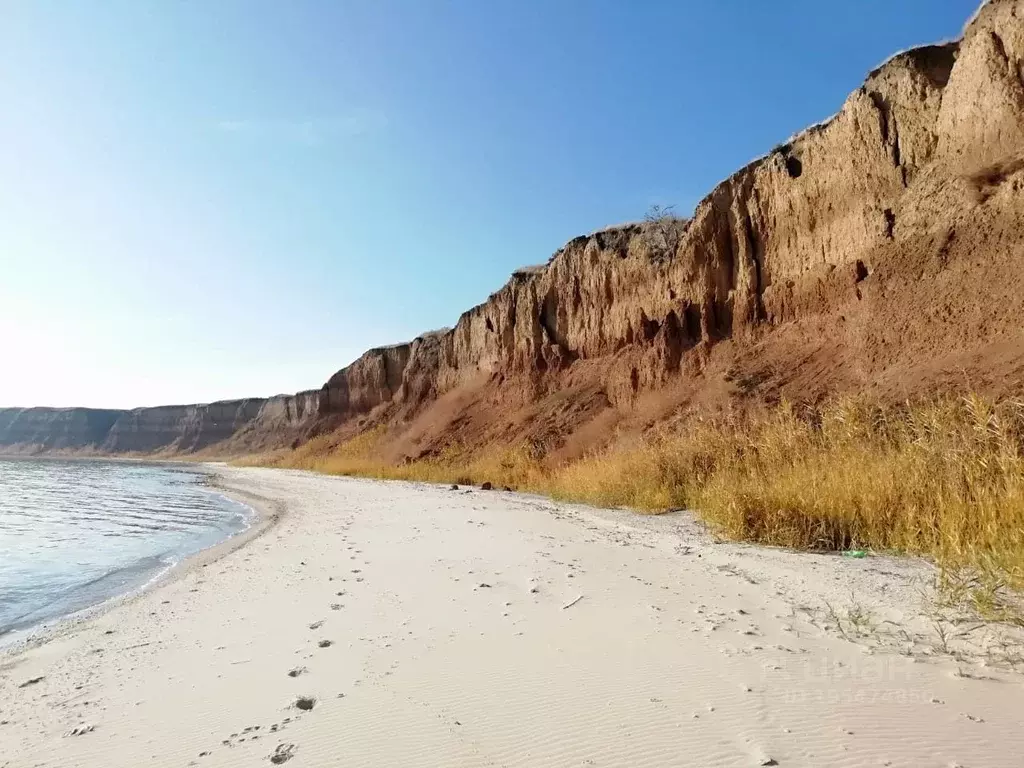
(881, 249)
(796, 233)
(175, 428)
(183, 428)
(55, 429)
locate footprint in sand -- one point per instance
(283, 754)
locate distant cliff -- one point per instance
(881, 250)
(55, 429)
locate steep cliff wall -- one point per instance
(183, 428)
(55, 429)
(881, 249)
(792, 234)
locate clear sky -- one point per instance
(227, 198)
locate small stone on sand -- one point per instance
(305, 703)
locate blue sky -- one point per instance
(203, 200)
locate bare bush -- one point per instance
(662, 230)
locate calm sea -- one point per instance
(76, 532)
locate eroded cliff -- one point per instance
(881, 249)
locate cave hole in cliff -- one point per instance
(691, 322)
(649, 328)
(794, 167)
(490, 325)
(890, 222)
(861, 271)
(634, 379)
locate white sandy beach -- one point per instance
(490, 629)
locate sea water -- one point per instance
(75, 532)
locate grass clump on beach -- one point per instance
(942, 478)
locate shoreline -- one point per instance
(17, 640)
(496, 628)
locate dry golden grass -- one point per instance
(359, 456)
(944, 479)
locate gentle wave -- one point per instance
(74, 533)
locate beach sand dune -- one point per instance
(373, 624)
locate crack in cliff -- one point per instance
(890, 132)
(1012, 67)
(756, 257)
(890, 223)
(997, 40)
(548, 319)
(897, 159)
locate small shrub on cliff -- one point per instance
(661, 231)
